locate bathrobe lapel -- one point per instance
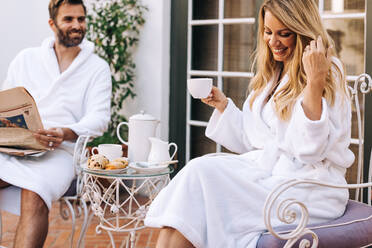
(266, 134)
(263, 132)
(51, 65)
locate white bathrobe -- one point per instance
(78, 98)
(217, 202)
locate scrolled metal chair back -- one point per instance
(363, 85)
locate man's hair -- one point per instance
(55, 4)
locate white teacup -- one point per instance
(110, 151)
(200, 87)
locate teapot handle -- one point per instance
(118, 132)
(175, 149)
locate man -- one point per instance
(72, 89)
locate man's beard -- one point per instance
(64, 38)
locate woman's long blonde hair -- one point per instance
(302, 18)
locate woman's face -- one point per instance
(279, 38)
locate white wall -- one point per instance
(22, 24)
(152, 60)
(25, 24)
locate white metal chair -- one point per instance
(71, 203)
(317, 235)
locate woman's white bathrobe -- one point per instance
(217, 202)
(78, 98)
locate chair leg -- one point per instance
(86, 221)
(73, 219)
(1, 228)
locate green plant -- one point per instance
(114, 27)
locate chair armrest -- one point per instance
(80, 156)
(288, 216)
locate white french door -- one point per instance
(221, 39)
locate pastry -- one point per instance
(97, 161)
(119, 163)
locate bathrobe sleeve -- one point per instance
(97, 105)
(227, 129)
(10, 80)
(328, 138)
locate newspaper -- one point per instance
(19, 118)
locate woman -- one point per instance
(294, 124)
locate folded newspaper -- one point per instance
(19, 118)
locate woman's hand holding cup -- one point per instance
(216, 99)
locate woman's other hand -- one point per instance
(316, 61)
(216, 99)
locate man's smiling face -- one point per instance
(70, 25)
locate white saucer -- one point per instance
(106, 172)
(150, 169)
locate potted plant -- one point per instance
(114, 28)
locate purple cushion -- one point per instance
(72, 189)
(349, 235)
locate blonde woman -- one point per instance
(294, 124)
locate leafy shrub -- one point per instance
(114, 27)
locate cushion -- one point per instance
(72, 189)
(353, 229)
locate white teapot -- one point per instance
(140, 128)
(160, 150)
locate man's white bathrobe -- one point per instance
(78, 98)
(217, 202)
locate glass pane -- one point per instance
(238, 47)
(201, 145)
(339, 6)
(236, 89)
(239, 8)
(348, 35)
(201, 111)
(352, 172)
(354, 120)
(205, 9)
(204, 47)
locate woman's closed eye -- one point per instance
(281, 34)
(286, 34)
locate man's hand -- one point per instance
(50, 138)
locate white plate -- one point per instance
(150, 169)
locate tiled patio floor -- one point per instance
(60, 231)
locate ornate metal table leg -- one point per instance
(132, 238)
(111, 239)
(122, 214)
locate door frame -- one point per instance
(177, 78)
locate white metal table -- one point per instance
(121, 203)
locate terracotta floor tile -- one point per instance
(60, 230)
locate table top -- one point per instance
(128, 173)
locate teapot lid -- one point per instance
(142, 117)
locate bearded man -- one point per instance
(72, 89)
